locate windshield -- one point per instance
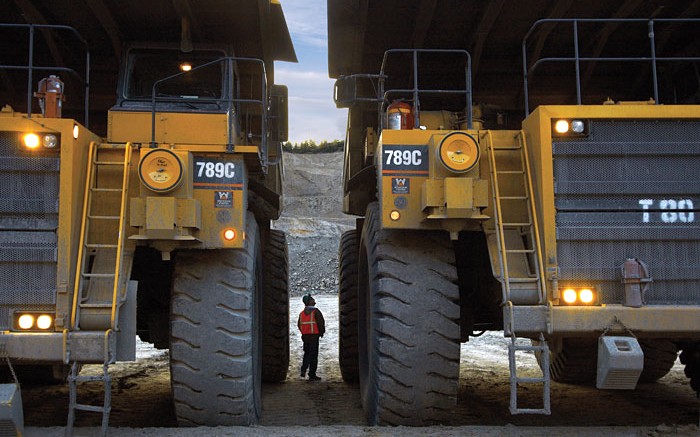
(146, 66)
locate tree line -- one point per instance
(310, 146)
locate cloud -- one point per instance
(312, 113)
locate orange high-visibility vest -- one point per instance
(307, 323)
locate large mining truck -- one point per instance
(154, 220)
(529, 168)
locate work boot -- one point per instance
(314, 378)
(303, 374)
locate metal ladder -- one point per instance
(74, 378)
(102, 291)
(99, 290)
(516, 153)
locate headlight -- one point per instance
(160, 170)
(458, 152)
(578, 295)
(47, 141)
(566, 127)
(32, 321)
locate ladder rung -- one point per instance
(520, 250)
(513, 198)
(92, 408)
(96, 305)
(516, 224)
(108, 190)
(523, 280)
(104, 217)
(97, 275)
(531, 411)
(101, 246)
(510, 172)
(530, 380)
(108, 162)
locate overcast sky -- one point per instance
(312, 113)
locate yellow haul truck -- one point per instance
(160, 228)
(574, 225)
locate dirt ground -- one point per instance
(142, 404)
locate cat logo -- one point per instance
(400, 185)
(223, 199)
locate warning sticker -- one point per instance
(223, 199)
(400, 185)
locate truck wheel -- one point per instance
(215, 334)
(575, 363)
(347, 303)
(659, 357)
(408, 319)
(691, 358)
(275, 322)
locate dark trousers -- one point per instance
(310, 360)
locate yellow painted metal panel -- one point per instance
(171, 127)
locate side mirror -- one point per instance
(278, 115)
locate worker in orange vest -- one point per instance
(312, 327)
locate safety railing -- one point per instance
(232, 99)
(652, 59)
(416, 91)
(30, 67)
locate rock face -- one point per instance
(313, 220)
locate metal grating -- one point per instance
(29, 187)
(631, 189)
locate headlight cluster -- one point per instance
(49, 141)
(33, 321)
(569, 128)
(578, 296)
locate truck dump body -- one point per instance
(361, 31)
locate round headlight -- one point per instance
(569, 295)
(43, 321)
(31, 141)
(458, 152)
(50, 141)
(561, 126)
(577, 126)
(586, 295)
(26, 321)
(160, 170)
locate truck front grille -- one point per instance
(631, 189)
(29, 187)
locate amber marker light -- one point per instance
(185, 67)
(229, 234)
(25, 321)
(31, 141)
(394, 215)
(44, 321)
(76, 131)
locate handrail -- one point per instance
(576, 59)
(416, 91)
(229, 100)
(30, 67)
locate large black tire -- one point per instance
(659, 357)
(215, 334)
(575, 363)
(275, 323)
(347, 304)
(691, 358)
(408, 319)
